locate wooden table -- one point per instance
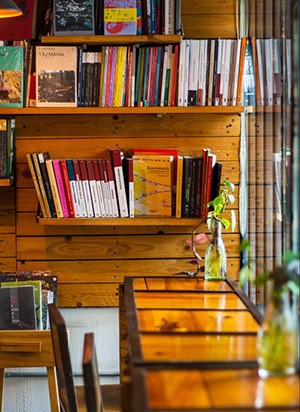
(192, 346)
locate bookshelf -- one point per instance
(6, 182)
(109, 249)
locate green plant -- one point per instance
(218, 205)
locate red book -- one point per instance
(86, 188)
(66, 179)
(93, 188)
(99, 187)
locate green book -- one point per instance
(11, 76)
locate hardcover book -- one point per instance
(74, 17)
(117, 159)
(11, 76)
(152, 179)
(120, 17)
(17, 308)
(56, 76)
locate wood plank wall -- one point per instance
(91, 261)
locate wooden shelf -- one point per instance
(6, 182)
(142, 221)
(12, 111)
(110, 40)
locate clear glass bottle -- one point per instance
(215, 255)
(277, 337)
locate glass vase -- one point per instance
(215, 255)
(277, 337)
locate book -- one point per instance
(105, 187)
(56, 76)
(79, 185)
(120, 17)
(179, 178)
(68, 190)
(17, 308)
(152, 179)
(48, 285)
(61, 187)
(193, 72)
(41, 184)
(86, 188)
(11, 76)
(3, 148)
(99, 187)
(41, 159)
(74, 18)
(112, 188)
(186, 186)
(24, 26)
(117, 157)
(93, 188)
(128, 177)
(205, 154)
(74, 188)
(37, 286)
(54, 189)
(36, 184)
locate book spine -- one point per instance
(36, 184)
(112, 188)
(179, 177)
(99, 187)
(41, 159)
(74, 189)
(93, 188)
(79, 185)
(106, 189)
(61, 187)
(117, 160)
(68, 191)
(41, 184)
(86, 188)
(54, 189)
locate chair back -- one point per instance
(60, 343)
(90, 375)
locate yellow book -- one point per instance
(36, 184)
(152, 182)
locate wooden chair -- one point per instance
(73, 398)
(104, 398)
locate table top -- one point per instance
(192, 346)
(194, 321)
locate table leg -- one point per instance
(53, 390)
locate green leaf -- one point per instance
(225, 223)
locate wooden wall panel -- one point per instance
(7, 229)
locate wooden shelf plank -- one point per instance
(98, 39)
(120, 110)
(6, 182)
(143, 221)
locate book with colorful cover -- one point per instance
(17, 308)
(54, 189)
(68, 190)
(56, 76)
(120, 17)
(74, 18)
(152, 177)
(37, 296)
(11, 76)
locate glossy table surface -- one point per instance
(192, 346)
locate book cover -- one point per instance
(61, 187)
(21, 27)
(128, 177)
(17, 308)
(68, 190)
(120, 17)
(54, 189)
(105, 187)
(186, 186)
(37, 286)
(74, 18)
(152, 179)
(3, 148)
(56, 76)
(117, 160)
(11, 76)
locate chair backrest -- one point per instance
(60, 343)
(90, 375)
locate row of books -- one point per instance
(7, 127)
(24, 299)
(211, 72)
(148, 182)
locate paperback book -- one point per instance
(120, 17)
(75, 17)
(56, 76)
(11, 76)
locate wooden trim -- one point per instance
(102, 39)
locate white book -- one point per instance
(93, 188)
(236, 71)
(79, 186)
(226, 84)
(219, 81)
(193, 72)
(169, 16)
(112, 189)
(117, 160)
(181, 74)
(106, 189)
(99, 187)
(56, 76)
(186, 72)
(164, 74)
(86, 188)
(269, 71)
